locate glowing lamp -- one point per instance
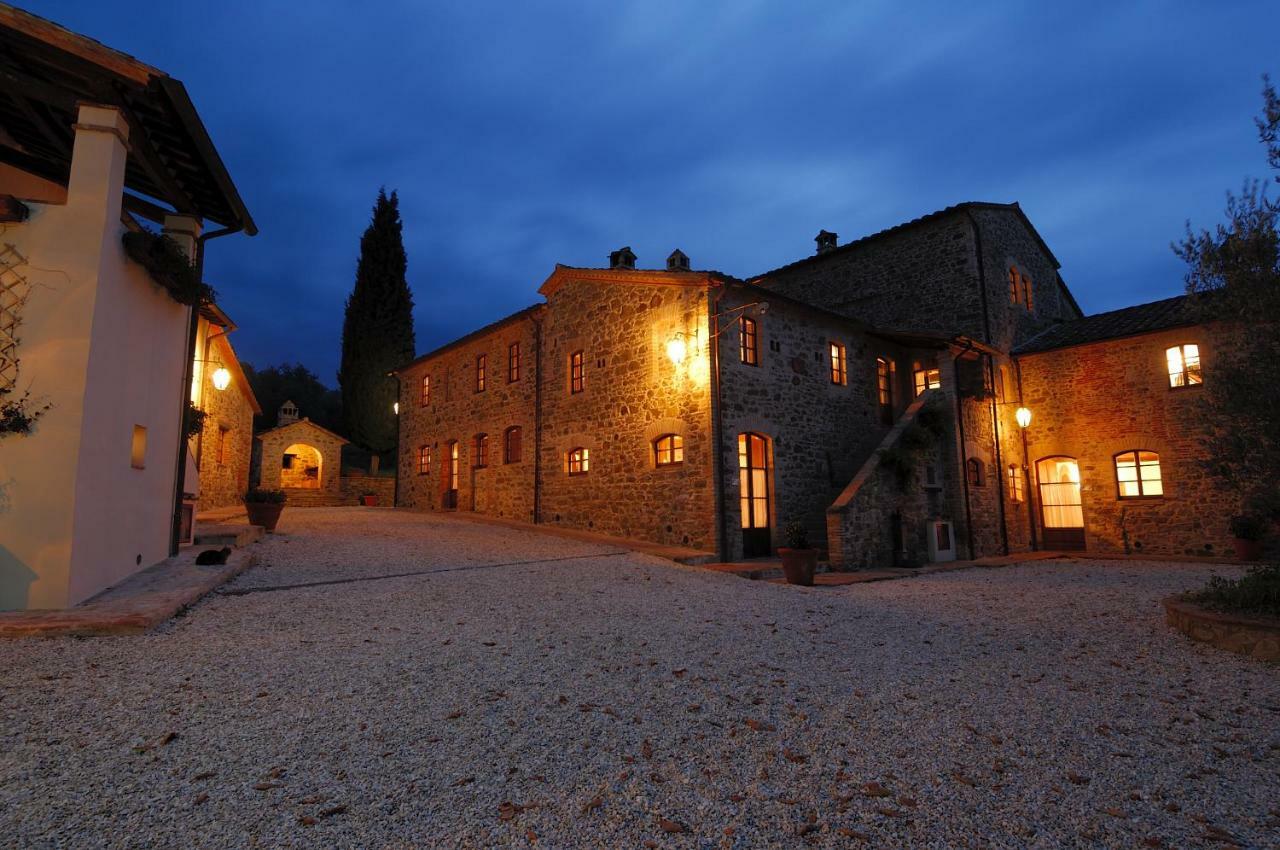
(395, 407)
(676, 349)
(221, 378)
(1023, 415)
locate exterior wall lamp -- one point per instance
(395, 408)
(677, 348)
(1023, 415)
(221, 378)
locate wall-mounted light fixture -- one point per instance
(395, 408)
(1023, 415)
(221, 378)
(677, 348)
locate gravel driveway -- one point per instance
(573, 695)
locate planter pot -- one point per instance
(265, 514)
(1248, 550)
(369, 501)
(798, 565)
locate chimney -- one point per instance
(623, 258)
(288, 414)
(826, 241)
(678, 261)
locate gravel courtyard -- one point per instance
(527, 690)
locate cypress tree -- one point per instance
(377, 333)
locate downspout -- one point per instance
(537, 420)
(982, 277)
(717, 425)
(402, 410)
(986, 338)
(188, 374)
(964, 455)
(995, 429)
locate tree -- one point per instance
(1233, 272)
(294, 382)
(377, 334)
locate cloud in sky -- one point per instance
(521, 135)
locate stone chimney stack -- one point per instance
(678, 261)
(623, 258)
(288, 414)
(826, 241)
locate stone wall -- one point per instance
(226, 442)
(632, 394)
(356, 484)
(456, 412)
(1093, 401)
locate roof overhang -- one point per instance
(635, 277)
(47, 71)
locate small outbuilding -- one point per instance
(303, 459)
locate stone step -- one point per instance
(234, 534)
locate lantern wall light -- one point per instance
(677, 349)
(221, 378)
(1023, 415)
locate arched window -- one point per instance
(977, 475)
(480, 451)
(1015, 483)
(668, 450)
(511, 448)
(1138, 475)
(578, 461)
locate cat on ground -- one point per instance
(213, 556)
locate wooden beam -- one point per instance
(146, 155)
(60, 38)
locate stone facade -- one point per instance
(224, 447)
(318, 448)
(617, 358)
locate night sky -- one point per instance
(524, 134)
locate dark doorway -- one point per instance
(753, 487)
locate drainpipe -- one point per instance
(403, 411)
(717, 425)
(995, 430)
(537, 420)
(188, 374)
(964, 455)
(982, 277)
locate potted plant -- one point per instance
(1248, 531)
(369, 499)
(264, 507)
(799, 559)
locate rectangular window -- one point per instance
(1138, 475)
(482, 362)
(138, 452)
(513, 362)
(222, 446)
(1015, 483)
(839, 366)
(576, 377)
(1184, 365)
(884, 389)
(480, 451)
(424, 459)
(1013, 284)
(748, 344)
(926, 379)
(511, 450)
(579, 461)
(1026, 294)
(426, 390)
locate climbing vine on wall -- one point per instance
(17, 414)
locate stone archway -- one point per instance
(301, 467)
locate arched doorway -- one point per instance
(300, 467)
(753, 494)
(1061, 513)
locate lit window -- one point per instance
(884, 389)
(480, 451)
(482, 362)
(579, 462)
(926, 379)
(668, 450)
(748, 343)
(1019, 288)
(138, 451)
(424, 459)
(1138, 475)
(426, 390)
(839, 365)
(977, 473)
(1015, 483)
(513, 362)
(575, 372)
(222, 445)
(1184, 365)
(511, 449)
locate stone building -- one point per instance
(301, 458)
(222, 450)
(867, 394)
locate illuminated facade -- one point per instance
(699, 409)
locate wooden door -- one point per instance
(753, 487)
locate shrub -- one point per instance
(260, 496)
(168, 266)
(933, 418)
(796, 536)
(1248, 527)
(915, 439)
(901, 463)
(1256, 592)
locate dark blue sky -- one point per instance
(524, 134)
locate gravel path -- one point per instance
(612, 699)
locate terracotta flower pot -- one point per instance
(265, 514)
(798, 565)
(1248, 550)
(369, 501)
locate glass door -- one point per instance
(753, 488)
(1062, 516)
